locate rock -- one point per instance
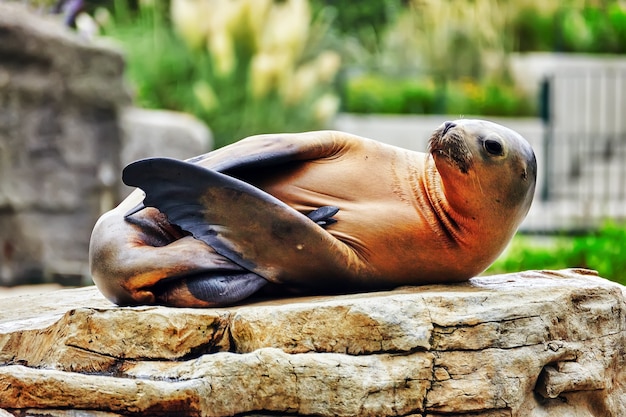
(527, 344)
(59, 137)
(149, 133)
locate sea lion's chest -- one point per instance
(390, 213)
(385, 213)
(361, 180)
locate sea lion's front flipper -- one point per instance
(242, 223)
(270, 150)
(323, 216)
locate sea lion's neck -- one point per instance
(443, 217)
(460, 225)
(462, 212)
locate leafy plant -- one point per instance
(367, 21)
(570, 26)
(376, 94)
(534, 29)
(245, 67)
(448, 40)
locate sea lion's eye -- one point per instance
(493, 147)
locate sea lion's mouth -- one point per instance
(450, 143)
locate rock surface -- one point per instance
(526, 344)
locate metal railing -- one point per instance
(584, 149)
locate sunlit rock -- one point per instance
(527, 344)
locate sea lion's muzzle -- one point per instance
(450, 143)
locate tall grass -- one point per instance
(245, 67)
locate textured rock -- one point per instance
(59, 137)
(527, 344)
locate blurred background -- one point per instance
(391, 70)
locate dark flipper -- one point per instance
(241, 222)
(272, 150)
(323, 215)
(204, 290)
(226, 289)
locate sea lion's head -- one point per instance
(485, 168)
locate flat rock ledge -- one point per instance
(536, 343)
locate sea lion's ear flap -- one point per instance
(241, 222)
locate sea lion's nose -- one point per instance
(447, 126)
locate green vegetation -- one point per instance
(431, 51)
(367, 21)
(442, 57)
(257, 66)
(568, 27)
(604, 251)
(377, 94)
(240, 71)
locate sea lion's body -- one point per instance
(404, 217)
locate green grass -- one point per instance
(603, 251)
(379, 94)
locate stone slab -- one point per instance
(535, 343)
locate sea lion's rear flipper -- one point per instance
(243, 223)
(208, 289)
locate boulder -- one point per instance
(525, 344)
(59, 139)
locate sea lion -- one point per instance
(314, 211)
